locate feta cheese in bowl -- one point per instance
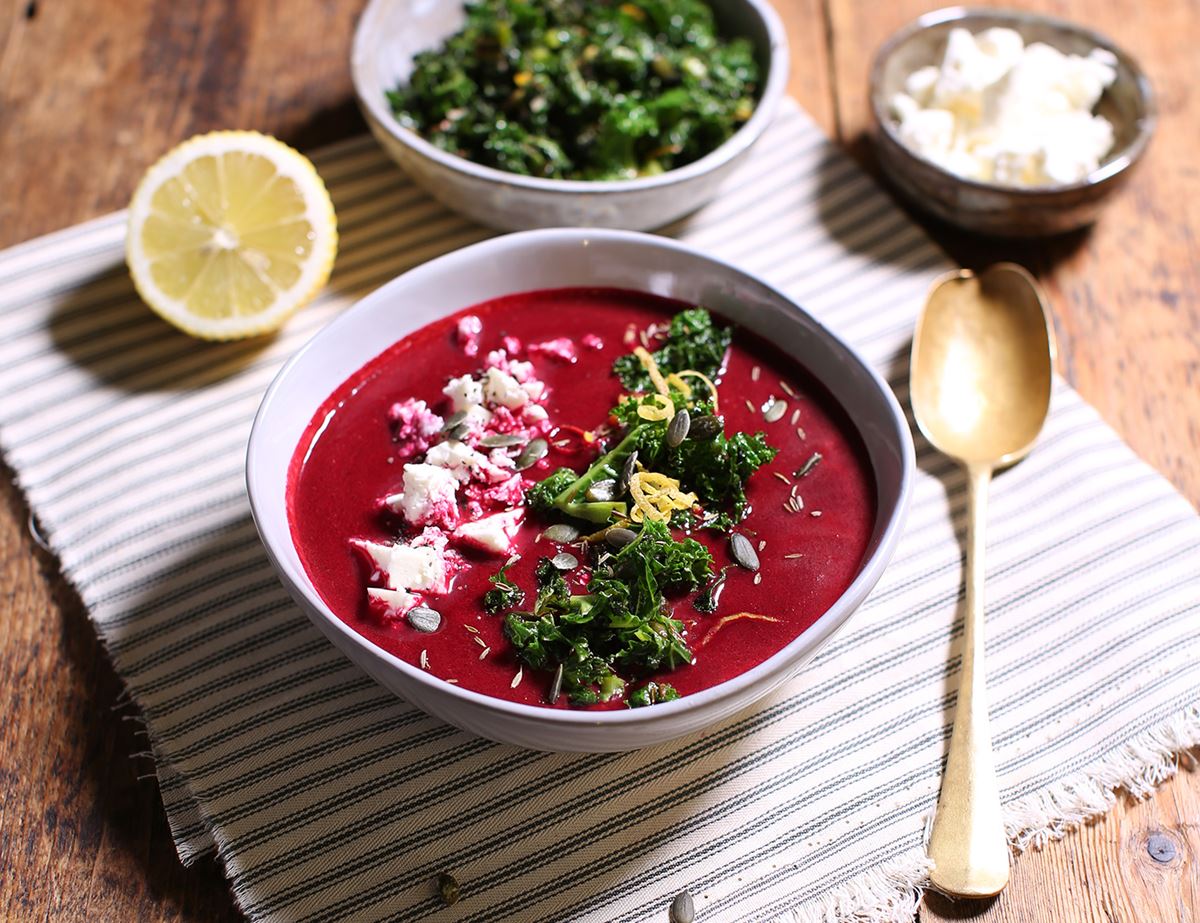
(998, 110)
(1008, 123)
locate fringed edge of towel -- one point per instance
(1137, 767)
(888, 893)
(891, 893)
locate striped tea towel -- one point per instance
(329, 799)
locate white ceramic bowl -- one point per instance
(391, 32)
(553, 259)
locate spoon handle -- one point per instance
(968, 845)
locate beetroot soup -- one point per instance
(540, 498)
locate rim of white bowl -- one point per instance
(1123, 160)
(811, 638)
(773, 90)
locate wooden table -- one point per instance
(92, 91)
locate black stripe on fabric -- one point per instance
(400, 716)
(329, 661)
(124, 642)
(241, 617)
(355, 684)
(164, 549)
(178, 518)
(1016, 566)
(150, 607)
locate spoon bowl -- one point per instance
(982, 362)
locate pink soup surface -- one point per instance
(347, 460)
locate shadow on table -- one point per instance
(103, 326)
(101, 811)
(1041, 256)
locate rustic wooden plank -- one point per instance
(1127, 315)
(810, 83)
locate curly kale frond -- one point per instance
(694, 341)
(621, 625)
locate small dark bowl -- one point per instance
(991, 208)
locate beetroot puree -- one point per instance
(347, 461)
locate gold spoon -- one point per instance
(981, 364)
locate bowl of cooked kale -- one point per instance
(542, 113)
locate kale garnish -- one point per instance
(540, 497)
(717, 469)
(693, 342)
(622, 625)
(505, 594)
(651, 694)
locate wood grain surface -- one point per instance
(92, 91)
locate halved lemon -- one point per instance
(229, 233)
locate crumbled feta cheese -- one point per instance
(997, 110)
(467, 333)
(511, 345)
(417, 568)
(534, 388)
(534, 413)
(464, 462)
(428, 496)
(390, 604)
(503, 389)
(407, 567)
(591, 341)
(463, 392)
(492, 533)
(521, 371)
(559, 348)
(414, 426)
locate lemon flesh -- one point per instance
(229, 234)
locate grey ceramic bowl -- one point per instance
(391, 32)
(556, 258)
(988, 207)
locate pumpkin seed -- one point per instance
(683, 908)
(422, 618)
(677, 429)
(556, 685)
(447, 886)
(454, 420)
(534, 452)
(743, 551)
(562, 533)
(619, 537)
(627, 472)
(705, 427)
(564, 560)
(775, 410)
(602, 491)
(500, 440)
